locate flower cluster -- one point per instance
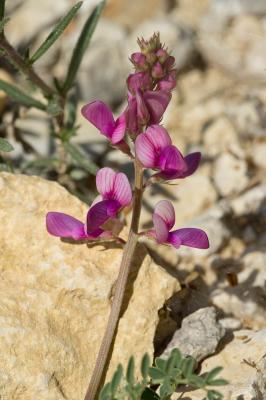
(138, 132)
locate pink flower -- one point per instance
(147, 107)
(115, 193)
(102, 118)
(164, 220)
(168, 82)
(154, 149)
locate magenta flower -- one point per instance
(154, 149)
(164, 220)
(102, 118)
(144, 105)
(115, 193)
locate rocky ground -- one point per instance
(219, 108)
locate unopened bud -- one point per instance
(139, 60)
(169, 63)
(162, 55)
(157, 71)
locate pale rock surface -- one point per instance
(56, 296)
(250, 202)
(246, 300)
(129, 14)
(230, 174)
(258, 155)
(31, 17)
(220, 136)
(239, 358)
(198, 336)
(190, 197)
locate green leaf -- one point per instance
(156, 375)
(57, 31)
(116, 379)
(81, 158)
(5, 146)
(212, 374)
(196, 381)
(130, 371)
(149, 394)
(170, 364)
(160, 363)
(218, 382)
(81, 46)
(188, 366)
(166, 389)
(177, 357)
(20, 97)
(145, 364)
(105, 393)
(214, 395)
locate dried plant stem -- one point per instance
(24, 67)
(49, 92)
(109, 335)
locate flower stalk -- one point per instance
(120, 287)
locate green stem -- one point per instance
(109, 335)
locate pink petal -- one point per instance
(192, 160)
(100, 116)
(171, 161)
(166, 211)
(166, 84)
(100, 213)
(161, 229)
(156, 103)
(131, 115)
(119, 130)
(191, 237)
(122, 190)
(143, 115)
(159, 137)
(65, 226)
(105, 179)
(138, 81)
(145, 151)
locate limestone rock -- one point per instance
(230, 174)
(198, 336)
(239, 358)
(246, 300)
(220, 136)
(31, 17)
(258, 154)
(56, 296)
(249, 202)
(129, 14)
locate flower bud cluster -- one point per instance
(149, 88)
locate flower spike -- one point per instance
(164, 220)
